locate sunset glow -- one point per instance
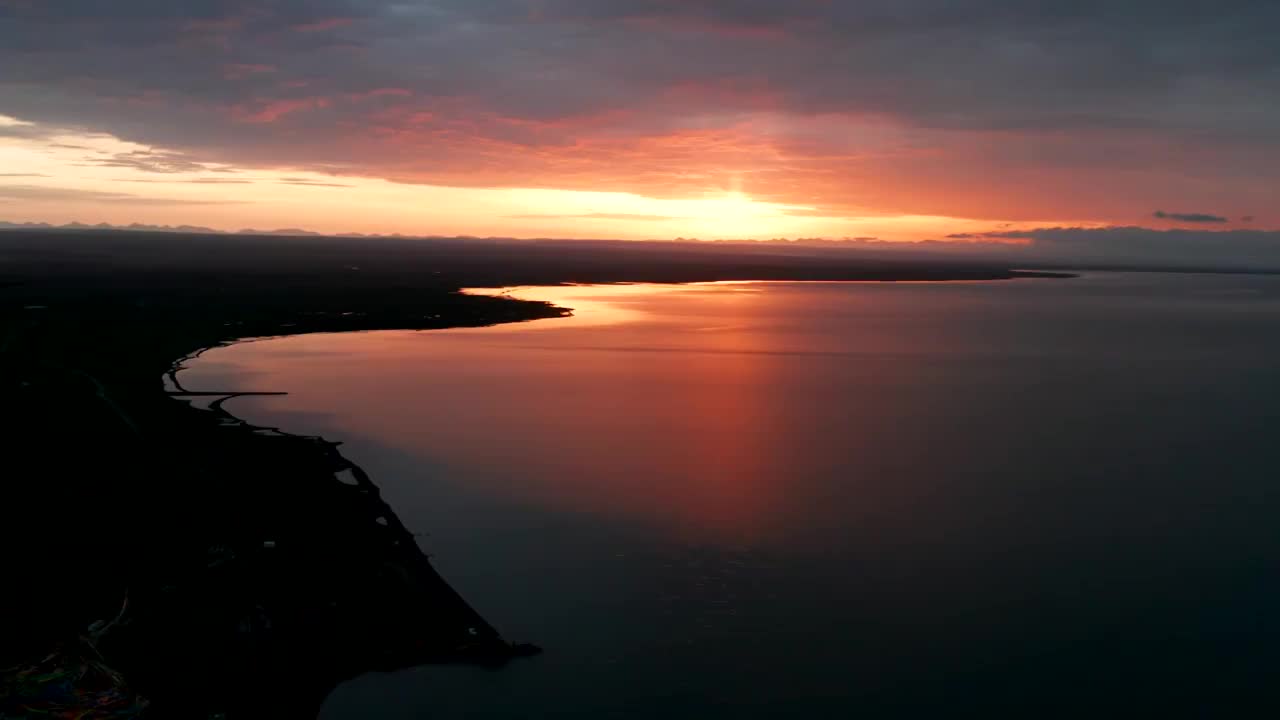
(69, 176)
(806, 119)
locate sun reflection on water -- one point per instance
(602, 304)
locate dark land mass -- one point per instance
(466, 262)
(248, 571)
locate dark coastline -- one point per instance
(260, 568)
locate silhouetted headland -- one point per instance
(228, 567)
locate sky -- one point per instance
(903, 120)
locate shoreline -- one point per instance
(286, 561)
(505, 292)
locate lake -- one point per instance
(1030, 497)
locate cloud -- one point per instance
(37, 193)
(974, 108)
(809, 212)
(322, 24)
(962, 236)
(152, 161)
(13, 174)
(598, 216)
(312, 183)
(24, 131)
(237, 71)
(191, 181)
(272, 110)
(1189, 217)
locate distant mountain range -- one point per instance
(1072, 248)
(201, 230)
(140, 227)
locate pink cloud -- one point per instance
(380, 92)
(743, 93)
(274, 110)
(237, 71)
(864, 169)
(842, 165)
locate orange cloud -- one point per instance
(274, 110)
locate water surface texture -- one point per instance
(898, 500)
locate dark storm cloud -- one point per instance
(988, 63)
(1189, 217)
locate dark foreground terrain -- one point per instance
(226, 568)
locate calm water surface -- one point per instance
(895, 500)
